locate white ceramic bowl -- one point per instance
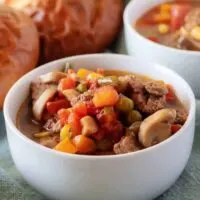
(186, 63)
(140, 176)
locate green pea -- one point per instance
(134, 116)
(124, 104)
(81, 87)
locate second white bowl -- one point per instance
(186, 63)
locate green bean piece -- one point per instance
(109, 80)
(81, 87)
(42, 134)
(134, 116)
(124, 104)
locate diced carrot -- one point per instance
(105, 96)
(66, 146)
(84, 144)
(175, 128)
(74, 122)
(80, 109)
(165, 8)
(54, 106)
(66, 83)
(82, 73)
(63, 115)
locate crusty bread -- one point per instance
(71, 27)
(19, 47)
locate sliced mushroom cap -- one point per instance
(52, 77)
(39, 105)
(157, 127)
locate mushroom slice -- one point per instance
(40, 103)
(157, 127)
(70, 94)
(52, 77)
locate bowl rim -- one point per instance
(127, 23)
(18, 133)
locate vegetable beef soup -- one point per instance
(99, 112)
(175, 24)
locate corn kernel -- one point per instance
(65, 132)
(163, 28)
(195, 33)
(165, 8)
(42, 134)
(82, 73)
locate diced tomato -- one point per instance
(74, 122)
(153, 39)
(91, 109)
(178, 13)
(175, 128)
(63, 115)
(99, 135)
(113, 131)
(80, 109)
(60, 94)
(66, 83)
(54, 106)
(170, 95)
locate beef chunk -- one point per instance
(86, 96)
(156, 88)
(149, 104)
(136, 84)
(181, 116)
(127, 144)
(53, 125)
(154, 104)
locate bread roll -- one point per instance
(19, 47)
(71, 27)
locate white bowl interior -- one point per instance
(20, 90)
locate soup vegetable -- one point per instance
(99, 112)
(175, 24)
